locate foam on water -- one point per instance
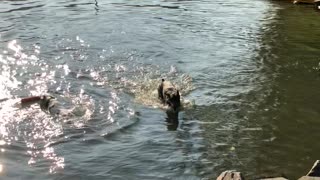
(147, 93)
(145, 88)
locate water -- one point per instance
(247, 70)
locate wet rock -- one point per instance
(309, 178)
(313, 174)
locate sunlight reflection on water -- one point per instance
(25, 73)
(31, 125)
(35, 128)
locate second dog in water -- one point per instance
(47, 103)
(169, 95)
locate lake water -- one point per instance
(249, 70)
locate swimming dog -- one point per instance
(47, 103)
(52, 106)
(169, 95)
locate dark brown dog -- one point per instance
(169, 94)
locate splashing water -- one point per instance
(146, 90)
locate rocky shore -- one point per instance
(313, 174)
(304, 1)
(316, 3)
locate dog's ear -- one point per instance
(160, 90)
(178, 94)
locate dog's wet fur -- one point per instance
(169, 95)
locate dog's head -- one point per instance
(49, 104)
(172, 98)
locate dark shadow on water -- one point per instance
(172, 120)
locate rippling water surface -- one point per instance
(247, 73)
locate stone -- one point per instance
(230, 175)
(309, 178)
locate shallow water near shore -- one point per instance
(247, 70)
